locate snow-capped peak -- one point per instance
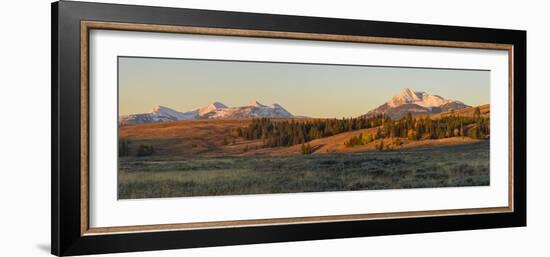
(404, 96)
(215, 110)
(255, 104)
(162, 110)
(408, 96)
(159, 108)
(409, 101)
(210, 108)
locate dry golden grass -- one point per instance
(485, 111)
(212, 138)
(336, 144)
(192, 159)
(449, 166)
(190, 138)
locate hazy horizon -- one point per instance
(313, 90)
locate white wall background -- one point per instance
(25, 127)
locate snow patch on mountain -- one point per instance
(210, 108)
(409, 101)
(216, 110)
(253, 109)
(408, 96)
(171, 114)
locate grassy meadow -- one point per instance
(422, 167)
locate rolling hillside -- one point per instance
(485, 111)
(215, 138)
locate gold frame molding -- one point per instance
(86, 26)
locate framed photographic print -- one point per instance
(178, 128)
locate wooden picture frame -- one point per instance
(71, 25)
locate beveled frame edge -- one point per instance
(86, 26)
(84, 129)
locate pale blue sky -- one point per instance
(321, 91)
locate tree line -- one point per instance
(276, 133)
(476, 127)
(142, 150)
(287, 133)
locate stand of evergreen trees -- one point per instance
(287, 133)
(476, 127)
(123, 148)
(276, 133)
(142, 150)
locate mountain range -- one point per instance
(406, 101)
(214, 110)
(409, 101)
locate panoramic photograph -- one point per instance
(191, 127)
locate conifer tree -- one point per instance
(477, 113)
